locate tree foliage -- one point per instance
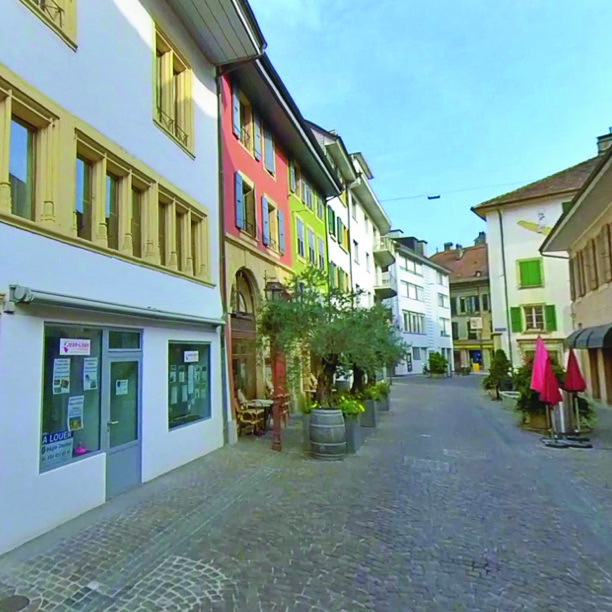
(437, 363)
(326, 321)
(499, 372)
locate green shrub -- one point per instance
(529, 400)
(351, 407)
(438, 364)
(499, 372)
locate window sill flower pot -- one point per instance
(369, 418)
(352, 428)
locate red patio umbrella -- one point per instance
(550, 393)
(574, 383)
(539, 364)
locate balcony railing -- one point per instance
(173, 127)
(52, 9)
(384, 252)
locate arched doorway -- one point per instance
(243, 303)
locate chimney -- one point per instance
(459, 251)
(448, 246)
(422, 247)
(604, 142)
(482, 239)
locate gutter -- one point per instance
(503, 253)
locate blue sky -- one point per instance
(465, 99)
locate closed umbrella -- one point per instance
(574, 383)
(550, 395)
(539, 364)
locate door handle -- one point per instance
(113, 423)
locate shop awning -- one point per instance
(599, 336)
(20, 295)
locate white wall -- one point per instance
(363, 235)
(522, 243)
(335, 252)
(108, 83)
(70, 490)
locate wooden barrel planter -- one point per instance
(327, 435)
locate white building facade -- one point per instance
(530, 294)
(421, 309)
(367, 223)
(111, 327)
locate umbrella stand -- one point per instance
(577, 437)
(553, 440)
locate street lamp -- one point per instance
(276, 291)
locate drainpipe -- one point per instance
(503, 254)
(349, 201)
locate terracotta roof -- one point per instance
(463, 269)
(568, 180)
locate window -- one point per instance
(179, 227)
(453, 306)
(530, 273)
(416, 353)
(321, 253)
(534, 318)
(444, 327)
(83, 205)
(414, 292)
(485, 302)
(367, 262)
(354, 211)
(332, 274)
(188, 383)
(414, 322)
(269, 157)
(136, 228)
(472, 332)
(245, 205)
(71, 397)
(164, 256)
(331, 222)
(59, 15)
(311, 247)
(21, 168)
(339, 232)
(455, 330)
(319, 199)
(442, 300)
(355, 251)
(604, 254)
(174, 105)
(403, 263)
(271, 231)
(300, 238)
(592, 272)
(307, 194)
(366, 223)
(123, 340)
(442, 279)
(469, 305)
(112, 212)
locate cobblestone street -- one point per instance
(448, 506)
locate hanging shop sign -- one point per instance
(74, 346)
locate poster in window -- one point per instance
(90, 374)
(61, 376)
(75, 412)
(184, 394)
(190, 378)
(122, 386)
(181, 373)
(56, 449)
(197, 375)
(172, 374)
(173, 395)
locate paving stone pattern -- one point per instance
(448, 506)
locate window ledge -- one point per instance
(530, 287)
(32, 226)
(183, 425)
(170, 135)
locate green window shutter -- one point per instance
(516, 318)
(530, 273)
(550, 316)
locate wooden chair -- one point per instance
(247, 416)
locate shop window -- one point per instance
(126, 340)
(21, 168)
(188, 383)
(71, 395)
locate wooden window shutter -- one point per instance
(594, 272)
(580, 266)
(257, 137)
(550, 318)
(292, 177)
(588, 267)
(281, 232)
(239, 201)
(530, 273)
(606, 255)
(236, 112)
(265, 221)
(572, 275)
(269, 151)
(516, 318)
